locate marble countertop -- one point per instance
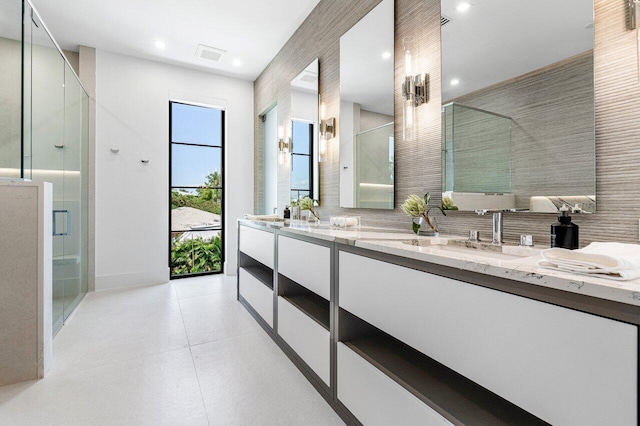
(519, 264)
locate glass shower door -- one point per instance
(55, 147)
(73, 268)
(45, 150)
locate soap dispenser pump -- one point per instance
(564, 233)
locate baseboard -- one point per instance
(134, 279)
(230, 271)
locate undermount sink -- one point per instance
(478, 249)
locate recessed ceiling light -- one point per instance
(463, 7)
(455, 82)
(237, 62)
(386, 55)
(160, 44)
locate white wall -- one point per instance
(304, 106)
(132, 204)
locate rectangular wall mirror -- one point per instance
(518, 121)
(304, 134)
(366, 122)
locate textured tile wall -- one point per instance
(617, 98)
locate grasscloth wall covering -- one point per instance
(617, 98)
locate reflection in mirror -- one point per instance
(367, 111)
(518, 122)
(304, 134)
(10, 87)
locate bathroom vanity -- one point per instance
(396, 329)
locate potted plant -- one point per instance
(418, 209)
(307, 204)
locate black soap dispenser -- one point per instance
(564, 233)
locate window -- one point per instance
(196, 173)
(302, 160)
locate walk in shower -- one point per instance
(374, 168)
(45, 131)
(476, 150)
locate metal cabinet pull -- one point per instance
(67, 229)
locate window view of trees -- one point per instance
(205, 198)
(196, 244)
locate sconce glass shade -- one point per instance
(407, 44)
(322, 148)
(408, 105)
(408, 120)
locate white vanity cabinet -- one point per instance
(255, 271)
(306, 263)
(389, 339)
(304, 293)
(258, 244)
(376, 399)
(564, 366)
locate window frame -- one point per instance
(311, 126)
(221, 188)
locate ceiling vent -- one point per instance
(309, 77)
(210, 53)
(444, 20)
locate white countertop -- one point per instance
(523, 269)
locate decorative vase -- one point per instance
(422, 226)
(295, 212)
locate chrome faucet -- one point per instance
(496, 234)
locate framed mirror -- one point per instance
(366, 123)
(304, 134)
(518, 121)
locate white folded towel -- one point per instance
(343, 222)
(263, 217)
(617, 261)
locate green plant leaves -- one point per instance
(416, 227)
(196, 256)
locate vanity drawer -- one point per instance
(564, 366)
(309, 339)
(305, 263)
(257, 244)
(375, 399)
(259, 296)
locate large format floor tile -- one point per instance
(215, 317)
(159, 389)
(97, 338)
(183, 353)
(248, 380)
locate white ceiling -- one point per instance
(496, 40)
(307, 80)
(252, 31)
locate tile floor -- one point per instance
(183, 353)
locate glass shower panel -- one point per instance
(47, 144)
(374, 168)
(10, 83)
(73, 265)
(476, 148)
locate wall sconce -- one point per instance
(415, 90)
(284, 145)
(327, 132)
(633, 19)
